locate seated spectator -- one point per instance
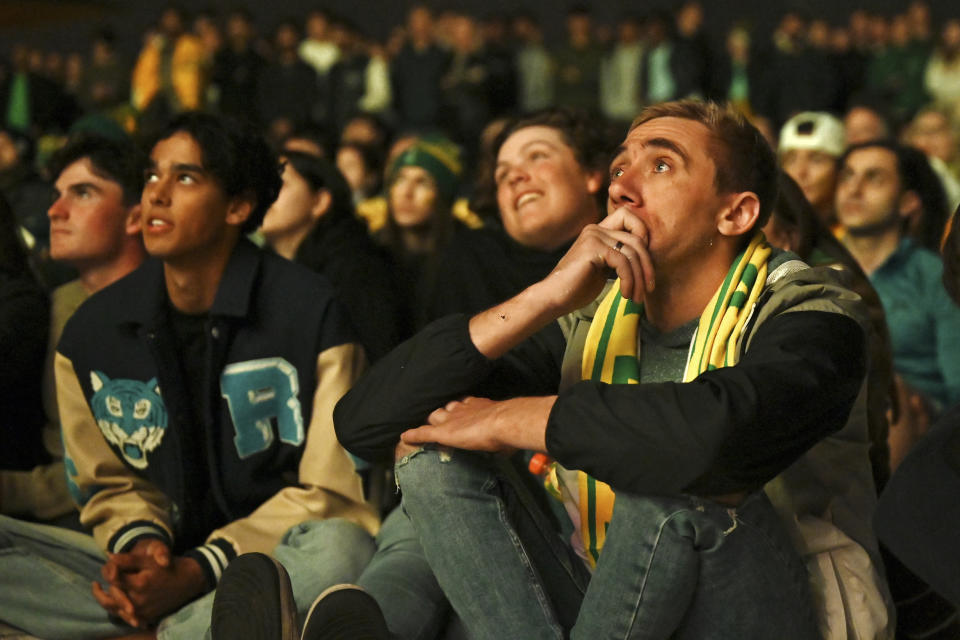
(896, 72)
(196, 415)
(30, 101)
(23, 333)
(550, 174)
(416, 73)
(362, 167)
(312, 140)
(535, 69)
(468, 509)
(468, 85)
(736, 71)
(95, 223)
(313, 223)
(795, 75)
(106, 80)
(942, 74)
(810, 144)
(864, 122)
(366, 128)
(878, 191)
(933, 132)
(917, 517)
(421, 185)
(578, 61)
(620, 72)
(664, 67)
(169, 75)
(237, 68)
(794, 226)
(287, 87)
(546, 176)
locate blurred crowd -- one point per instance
(392, 153)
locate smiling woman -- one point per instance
(547, 175)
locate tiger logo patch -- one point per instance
(131, 415)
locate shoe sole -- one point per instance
(372, 628)
(254, 601)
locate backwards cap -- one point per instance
(814, 130)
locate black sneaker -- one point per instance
(254, 601)
(345, 612)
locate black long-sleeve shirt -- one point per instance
(731, 429)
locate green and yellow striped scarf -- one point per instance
(610, 355)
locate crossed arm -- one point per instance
(615, 245)
(729, 430)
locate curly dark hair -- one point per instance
(236, 155)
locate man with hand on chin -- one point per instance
(196, 398)
(713, 373)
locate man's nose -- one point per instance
(623, 189)
(158, 192)
(58, 209)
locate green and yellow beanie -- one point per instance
(437, 156)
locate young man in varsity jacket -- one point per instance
(196, 397)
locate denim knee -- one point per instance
(333, 532)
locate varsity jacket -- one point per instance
(262, 457)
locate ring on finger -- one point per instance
(618, 246)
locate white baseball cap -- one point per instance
(816, 130)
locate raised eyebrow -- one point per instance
(670, 145)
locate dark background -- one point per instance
(68, 25)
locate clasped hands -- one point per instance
(148, 582)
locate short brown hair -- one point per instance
(743, 158)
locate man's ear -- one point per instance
(240, 209)
(595, 180)
(321, 204)
(133, 222)
(910, 204)
(740, 215)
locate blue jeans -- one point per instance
(45, 576)
(402, 583)
(671, 567)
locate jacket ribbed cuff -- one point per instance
(132, 533)
(213, 558)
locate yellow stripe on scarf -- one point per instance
(610, 355)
